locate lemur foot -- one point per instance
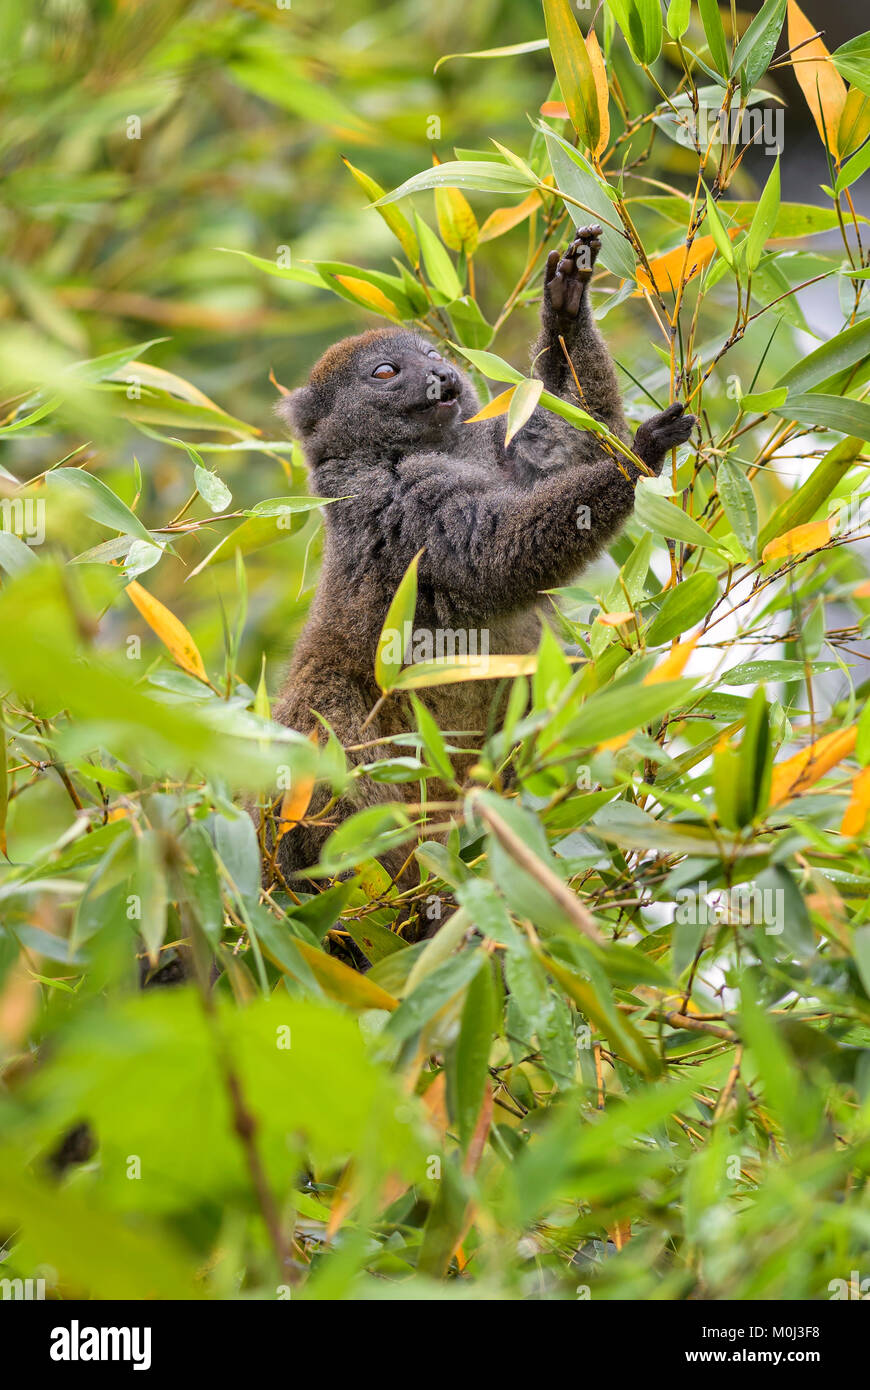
(567, 275)
(662, 432)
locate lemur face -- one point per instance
(383, 389)
(409, 374)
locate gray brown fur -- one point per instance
(495, 525)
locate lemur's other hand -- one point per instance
(662, 432)
(567, 275)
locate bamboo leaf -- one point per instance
(524, 401)
(755, 49)
(574, 71)
(171, 631)
(823, 88)
(391, 644)
(711, 18)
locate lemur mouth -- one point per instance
(448, 400)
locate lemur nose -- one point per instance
(449, 381)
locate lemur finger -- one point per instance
(677, 432)
(552, 265)
(672, 411)
(583, 234)
(556, 289)
(574, 296)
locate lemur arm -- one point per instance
(567, 313)
(490, 548)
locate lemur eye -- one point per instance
(385, 371)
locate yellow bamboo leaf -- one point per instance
(863, 590)
(855, 817)
(171, 631)
(555, 110)
(296, 799)
(574, 70)
(667, 269)
(854, 124)
(342, 983)
(821, 84)
(673, 665)
(670, 669)
(395, 220)
(456, 220)
(454, 669)
(146, 374)
(504, 219)
(799, 540)
(801, 771)
(674, 1003)
(599, 72)
(294, 804)
(620, 1234)
(370, 295)
(499, 405)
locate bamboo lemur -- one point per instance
(383, 422)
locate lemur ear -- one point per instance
(300, 410)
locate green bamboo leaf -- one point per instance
(609, 713)
(738, 503)
(300, 275)
(575, 176)
(852, 61)
(679, 13)
(487, 176)
(832, 412)
(433, 741)
(15, 554)
(439, 267)
(711, 18)
(391, 644)
(533, 46)
(468, 322)
(434, 991)
(764, 400)
(758, 672)
(719, 234)
(764, 220)
(100, 503)
(523, 404)
(203, 885)
(794, 220)
(803, 504)
(755, 762)
(755, 49)
(837, 355)
(853, 169)
(683, 607)
(664, 518)
(726, 769)
(489, 364)
(645, 23)
(470, 1061)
